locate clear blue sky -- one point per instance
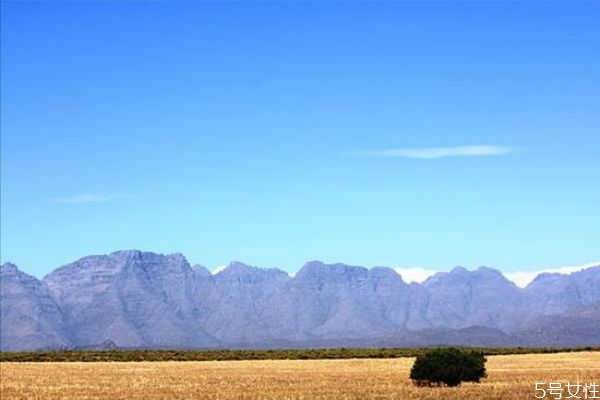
(277, 132)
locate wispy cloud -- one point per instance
(430, 153)
(519, 278)
(524, 278)
(218, 269)
(415, 274)
(84, 198)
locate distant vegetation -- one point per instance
(229, 355)
(449, 366)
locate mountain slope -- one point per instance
(134, 299)
(484, 297)
(29, 316)
(556, 293)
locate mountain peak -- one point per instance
(10, 270)
(385, 273)
(142, 255)
(176, 257)
(487, 271)
(126, 254)
(9, 267)
(319, 270)
(201, 270)
(460, 274)
(143, 299)
(243, 273)
(238, 268)
(458, 270)
(312, 265)
(239, 265)
(546, 277)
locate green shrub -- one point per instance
(448, 366)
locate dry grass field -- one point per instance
(509, 377)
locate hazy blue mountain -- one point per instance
(578, 326)
(338, 300)
(235, 305)
(29, 316)
(134, 299)
(555, 293)
(484, 297)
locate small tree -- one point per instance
(448, 366)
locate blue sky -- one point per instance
(425, 134)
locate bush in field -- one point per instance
(448, 366)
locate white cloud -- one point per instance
(420, 274)
(524, 278)
(218, 269)
(429, 153)
(415, 274)
(84, 198)
(520, 278)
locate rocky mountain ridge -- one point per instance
(135, 299)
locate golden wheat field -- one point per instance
(509, 377)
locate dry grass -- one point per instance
(509, 377)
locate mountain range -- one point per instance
(135, 299)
